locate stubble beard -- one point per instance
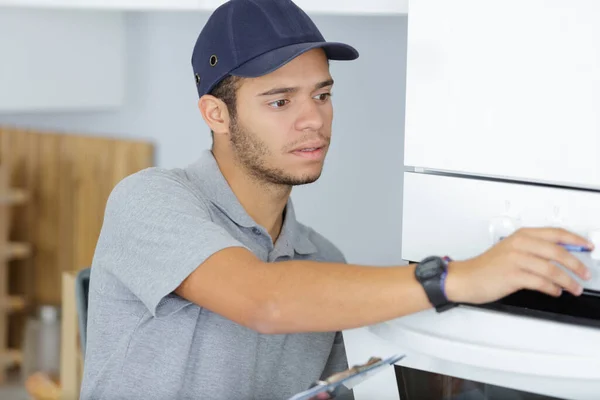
(251, 154)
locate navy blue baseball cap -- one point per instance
(251, 38)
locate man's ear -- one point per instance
(215, 113)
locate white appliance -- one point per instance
(502, 124)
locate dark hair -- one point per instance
(226, 91)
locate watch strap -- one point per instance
(447, 303)
(435, 289)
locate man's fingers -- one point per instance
(557, 235)
(551, 274)
(552, 252)
(535, 282)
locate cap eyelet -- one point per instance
(197, 79)
(213, 60)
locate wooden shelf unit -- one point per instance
(9, 251)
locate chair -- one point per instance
(75, 289)
(82, 287)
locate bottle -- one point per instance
(41, 345)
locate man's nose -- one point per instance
(311, 117)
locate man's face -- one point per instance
(282, 130)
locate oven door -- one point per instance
(464, 216)
(414, 384)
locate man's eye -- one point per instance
(323, 96)
(278, 103)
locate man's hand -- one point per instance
(524, 260)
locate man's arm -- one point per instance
(301, 296)
(307, 296)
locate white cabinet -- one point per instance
(111, 4)
(459, 217)
(60, 60)
(360, 7)
(505, 88)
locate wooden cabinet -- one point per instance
(56, 217)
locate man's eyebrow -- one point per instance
(279, 91)
(284, 90)
(324, 84)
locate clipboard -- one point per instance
(349, 378)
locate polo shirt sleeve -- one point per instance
(157, 230)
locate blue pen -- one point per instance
(571, 247)
(575, 248)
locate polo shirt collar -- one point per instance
(206, 171)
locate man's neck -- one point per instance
(264, 202)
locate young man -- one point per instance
(204, 285)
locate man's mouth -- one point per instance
(311, 153)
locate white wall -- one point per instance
(358, 201)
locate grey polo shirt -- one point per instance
(145, 342)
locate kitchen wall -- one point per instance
(358, 201)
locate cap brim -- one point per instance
(275, 59)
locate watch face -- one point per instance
(429, 269)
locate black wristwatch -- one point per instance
(431, 274)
